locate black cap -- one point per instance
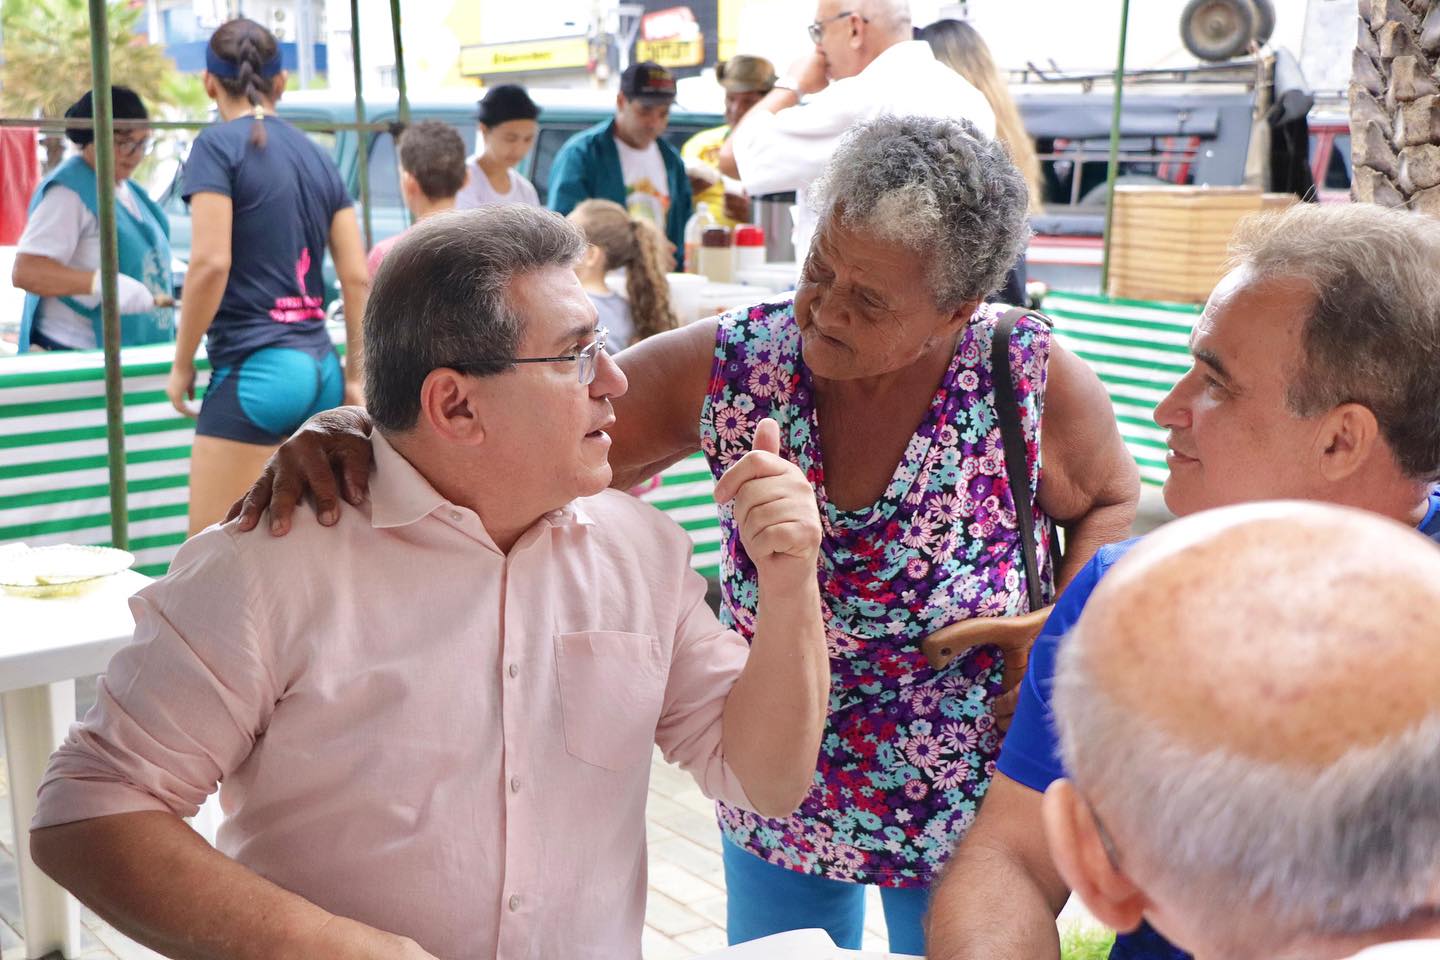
(648, 80)
(125, 104)
(509, 101)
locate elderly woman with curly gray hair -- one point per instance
(878, 372)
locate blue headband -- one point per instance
(218, 66)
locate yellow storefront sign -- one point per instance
(672, 53)
(565, 53)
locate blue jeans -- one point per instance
(764, 899)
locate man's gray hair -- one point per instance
(939, 188)
(891, 15)
(441, 299)
(1342, 849)
(1373, 336)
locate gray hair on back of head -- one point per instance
(1346, 848)
(893, 15)
(937, 187)
(441, 299)
(1373, 335)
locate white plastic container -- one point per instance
(685, 291)
(749, 248)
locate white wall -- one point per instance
(1084, 36)
(431, 48)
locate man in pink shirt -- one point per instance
(433, 722)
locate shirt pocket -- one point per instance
(612, 686)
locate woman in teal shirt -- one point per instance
(57, 260)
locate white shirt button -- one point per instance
(514, 670)
(514, 784)
(514, 902)
(455, 515)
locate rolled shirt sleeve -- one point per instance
(706, 662)
(180, 707)
(786, 151)
(56, 227)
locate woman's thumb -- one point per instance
(767, 436)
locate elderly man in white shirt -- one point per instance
(865, 64)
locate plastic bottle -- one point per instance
(749, 247)
(717, 256)
(694, 229)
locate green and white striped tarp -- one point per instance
(53, 481)
(1139, 348)
(54, 487)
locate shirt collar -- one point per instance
(400, 495)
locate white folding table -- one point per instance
(44, 645)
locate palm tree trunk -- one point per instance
(1395, 104)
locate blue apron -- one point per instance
(144, 247)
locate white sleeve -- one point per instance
(778, 152)
(56, 227)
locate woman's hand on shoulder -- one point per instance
(328, 455)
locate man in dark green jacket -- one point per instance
(625, 160)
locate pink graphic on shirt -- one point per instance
(303, 307)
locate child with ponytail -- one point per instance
(619, 240)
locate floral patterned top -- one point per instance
(908, 751)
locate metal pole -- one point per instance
(362, 141)
(404, 105)
(304, 43)
(109, 267)
(1114, 170)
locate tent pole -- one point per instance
(362, 139)
(109, 268)
(404, 102)
(1114, 169)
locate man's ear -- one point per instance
(1348, 438)
(449, 405)
(1080, 856)
(409, 186)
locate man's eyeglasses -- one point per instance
(817, 29)
(588, 357)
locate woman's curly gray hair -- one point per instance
(938, 187)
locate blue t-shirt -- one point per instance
(284, 196)
(1031, 752)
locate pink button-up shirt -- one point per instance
(414, 729)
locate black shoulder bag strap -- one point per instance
(1012, 435)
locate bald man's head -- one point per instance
(1250, 704)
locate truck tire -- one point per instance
(1217, 30)
(1264, 27)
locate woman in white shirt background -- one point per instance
(618, 240)
(58, 257)
(507, 129)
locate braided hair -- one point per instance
(639, 247)
(250, 47)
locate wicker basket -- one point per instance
(1171, 243)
